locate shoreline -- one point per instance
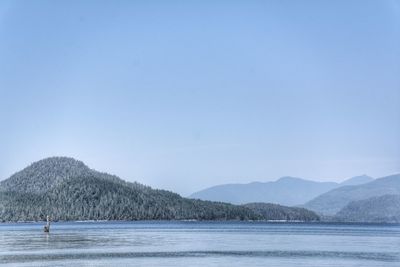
(208, 221)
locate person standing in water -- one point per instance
(47, 226)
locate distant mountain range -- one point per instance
(66, 189)
(288, 191)
(358, 199)
(333, 201)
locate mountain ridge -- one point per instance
(377, 209)
(333, 201)
(287, 190)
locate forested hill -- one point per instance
(384, 208)
(66, 189)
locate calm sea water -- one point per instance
(199, 244)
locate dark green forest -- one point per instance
(278, 212)
(66, 189)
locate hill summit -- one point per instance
(45, 174)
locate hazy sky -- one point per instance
(183, 95)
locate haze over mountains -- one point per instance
(289, 191)
(358, 199)
(384, 208)
(333, 201)
(357, 180)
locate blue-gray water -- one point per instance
(199, 244)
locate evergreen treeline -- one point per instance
(278, 212)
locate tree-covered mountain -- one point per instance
(384, 208)
(277, 212)
(333, 201)
(287, 191)
(66, 189)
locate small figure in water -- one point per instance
(47, 226)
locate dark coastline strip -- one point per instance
(370, 256)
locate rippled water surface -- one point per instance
(199, 244)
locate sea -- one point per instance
(192, 243)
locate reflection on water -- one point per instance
(199, 244)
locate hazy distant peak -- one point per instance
(357, 180)
(290, 179)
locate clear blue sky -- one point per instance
(183, 95)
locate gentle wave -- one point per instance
(370, 256)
